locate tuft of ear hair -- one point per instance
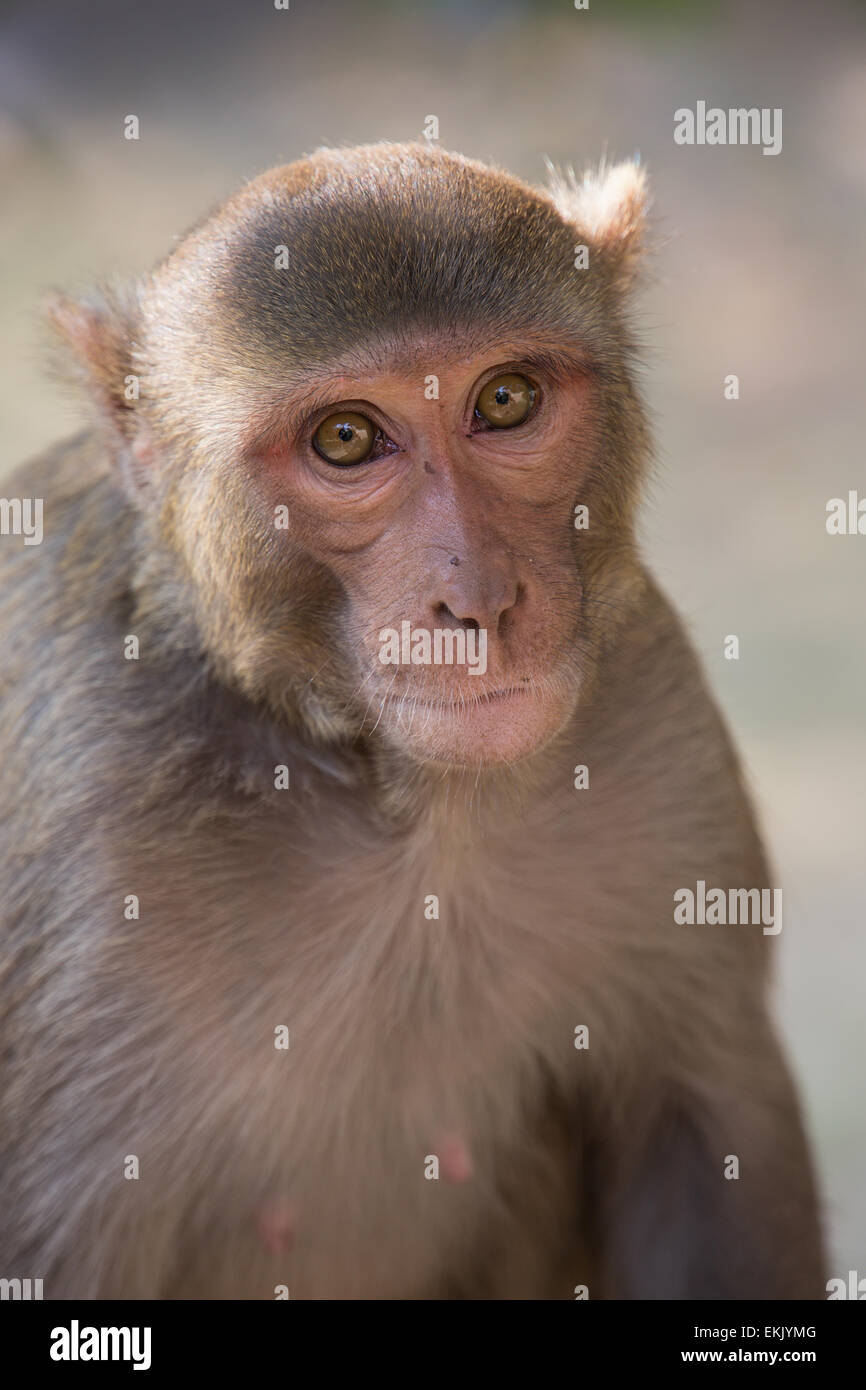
(607, 207)
(98, 333)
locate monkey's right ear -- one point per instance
(99, 334)
(607, 208)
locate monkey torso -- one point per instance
(431, 962)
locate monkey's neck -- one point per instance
(460, 803)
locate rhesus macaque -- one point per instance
(326, 972)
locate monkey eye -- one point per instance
(345, 438)
(505, 401)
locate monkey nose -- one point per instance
(479, 607)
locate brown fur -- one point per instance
(306, 908)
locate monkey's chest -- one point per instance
(383, 1115)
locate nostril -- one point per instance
(443, 611)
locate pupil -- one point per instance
(346, 433)
(502, 395)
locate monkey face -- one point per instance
(439, 494)
(374, 390)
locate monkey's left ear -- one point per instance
(607, 208)
(99, 334)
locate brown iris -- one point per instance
(345, 438)
(506, 401)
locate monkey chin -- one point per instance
(501, 727)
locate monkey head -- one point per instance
(383, 435)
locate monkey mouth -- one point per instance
(470, 728)
(458, 703)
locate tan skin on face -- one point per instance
(454, 524)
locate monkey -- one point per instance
(333, 976)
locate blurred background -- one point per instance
(760, 271)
